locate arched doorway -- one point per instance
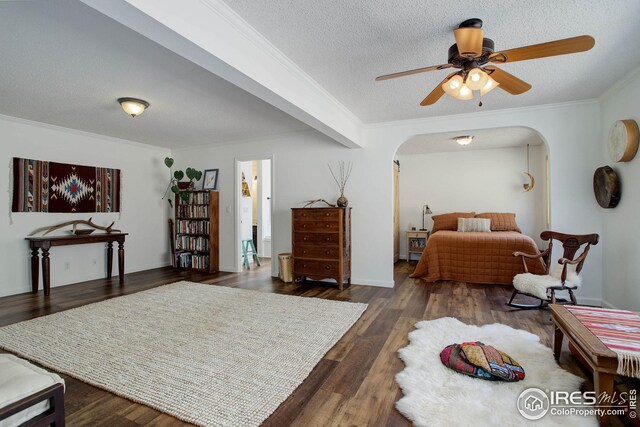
(487, 175)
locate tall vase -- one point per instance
(342, 201)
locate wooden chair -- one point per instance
(565, 278)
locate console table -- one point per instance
(46, 242)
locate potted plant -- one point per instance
(181, 188)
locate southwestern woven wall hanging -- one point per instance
(40, 186)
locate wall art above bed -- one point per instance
(41, 186)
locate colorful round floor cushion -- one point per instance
(481, 361)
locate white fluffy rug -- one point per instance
(434, 395)
(205, 354)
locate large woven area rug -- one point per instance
(435, 395)
(208, 355)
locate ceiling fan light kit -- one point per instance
(474, 56)
(465, 93)
(476, 79)
(490, 85)
(453, 85)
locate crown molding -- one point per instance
(78, 132)
(279, 137)
(624, 81)
(481, 114)
(252, 35)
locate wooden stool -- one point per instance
(247, 246)
(29, 395)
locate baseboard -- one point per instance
(27, 289)
(370, 282)
(15, 291)
(228, 269)
(590, 301)
(607, 304)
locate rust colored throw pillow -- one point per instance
(449, 221)
(501, 221)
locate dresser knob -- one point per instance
(304, 265)
(326, 214)
(304, 225)
(328, 238)
(327, 225)
(326, 252)
(304, 252)
(327, 267)
(304, 238)
(304, 214)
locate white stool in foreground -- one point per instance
(29, 395)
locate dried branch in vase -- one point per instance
(344, 172)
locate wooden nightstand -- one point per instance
(416, 242)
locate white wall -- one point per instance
(474, 180)
(300, 173)
(144, 215)
(620, 239)
(571, 132)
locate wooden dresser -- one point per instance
(321, 242)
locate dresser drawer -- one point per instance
(330, 226)
(315, 268)
(318, 239)
(308, 251)
(316, 214)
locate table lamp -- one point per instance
(425, 211)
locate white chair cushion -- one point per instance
(19, 379)
(572, 276)
(538, 285)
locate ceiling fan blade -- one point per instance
(415, 71)
(543, 50)
(436, 93)
(508, 81)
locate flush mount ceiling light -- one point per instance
(463, 139)
(133, 106)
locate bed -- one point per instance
(476, 257)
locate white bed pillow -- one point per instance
(474, 224)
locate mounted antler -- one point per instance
(311, 202)
(75, 223)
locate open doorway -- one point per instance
(485, 173)
(254, 213)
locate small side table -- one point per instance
(416, 242)
(602, 360)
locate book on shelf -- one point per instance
(193, 226)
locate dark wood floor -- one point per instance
(353, 385)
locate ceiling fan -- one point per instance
(473, 55)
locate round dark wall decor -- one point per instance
(606, 187)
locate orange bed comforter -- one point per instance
(476, 257)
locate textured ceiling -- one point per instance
(63, 63)
(344, 45)
(483, 139)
